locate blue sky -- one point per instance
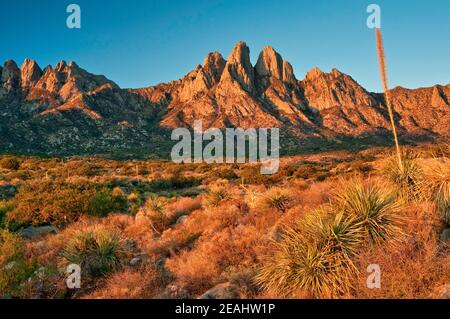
(138, 43)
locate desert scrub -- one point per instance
(10, 163)
(14, 267)
(313, 257)
(277, 198)
(404, 176)
(60, 203)
(435, 186)
(374, 206)
(96, 251)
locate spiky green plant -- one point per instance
(154, 210)
(405, 177)
(374, 205)
(96, 251)
(342, 233)
(216, 195)
(314, 257)
(435, 186)
(277, 198)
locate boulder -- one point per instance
(136, 261)
(222, 291)
(33, 232)
(445, 236)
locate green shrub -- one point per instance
(60, 202)
(10, 163)
(97, 251)
(103, 203)
(316, 255)
(5, 207)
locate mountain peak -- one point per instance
(270, 63)
(239, 68)
(10, 75)
(213, 58)
(30, 73)
(314, 73)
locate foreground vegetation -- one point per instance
(147, 229)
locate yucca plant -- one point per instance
(315, 256)
(277, 198)
(154, 210)
(435, 186)
(405, 177)
(374, 205)
(342, 233)
(298, 264)
(216, 195)
(97, 251)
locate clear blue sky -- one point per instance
(139, 43)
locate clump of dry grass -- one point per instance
(131, 284)
(410, 270)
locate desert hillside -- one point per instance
(152, 229)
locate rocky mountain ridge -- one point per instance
(67, 110)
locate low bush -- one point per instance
(59, 202)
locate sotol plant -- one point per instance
(277, 198)
(97, 251)
(405, 177)
(315, 256)
(435, 186)
(216, 195)
(374, 205)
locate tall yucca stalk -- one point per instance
(384, 80)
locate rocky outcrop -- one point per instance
(238, 72)
(10, 75)
(30, 73)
